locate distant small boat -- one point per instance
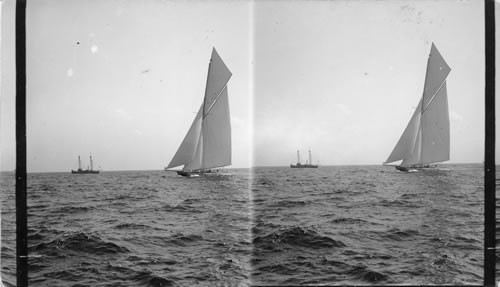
(207, 144)
(306, 165)
(426, 139)
(86, 171)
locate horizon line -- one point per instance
(255, 166)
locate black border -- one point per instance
(489, 156)
(21, 177)
(489, 145)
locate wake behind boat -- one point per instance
(207, 144)
(308, 164)
(426, 139)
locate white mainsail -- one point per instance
(426, 138)
(217, 134)
(207, 144)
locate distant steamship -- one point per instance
(306, 165)
(86, 171)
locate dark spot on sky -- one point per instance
(366, 73)
(145, 71)
(78, 43)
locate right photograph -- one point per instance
(368, 143)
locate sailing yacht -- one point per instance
(207, 144)
(426, 139)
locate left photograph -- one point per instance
(138, 142)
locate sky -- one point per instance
(123, 79)
(343, 78)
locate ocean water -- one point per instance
(368, 225)
(331, 225)
(144, 228)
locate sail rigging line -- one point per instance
(214, 102)
(433, 96)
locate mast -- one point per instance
(204, 113)
(206, 86)
(310, 158)
(91, 164)
(79, 163)
(298, 156)
(422, 110)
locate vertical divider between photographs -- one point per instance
(21, 174)
(489, 150)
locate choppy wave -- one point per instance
(358, 225)
(296, 236)
(145, 228)
(363, 225)
(80, 243)
(148, 279)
